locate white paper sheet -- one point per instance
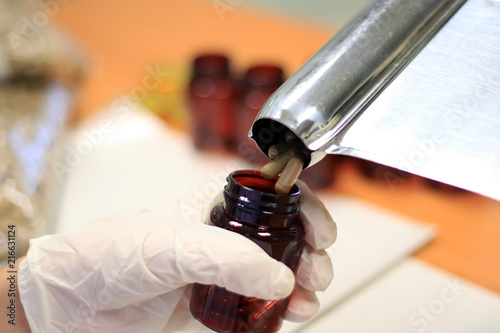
(413, 297)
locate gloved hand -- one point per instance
(133, 275)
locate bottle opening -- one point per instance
(252, 180)
(247, 192)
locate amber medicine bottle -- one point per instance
(259, 83)
(211, 101)
(253, 209)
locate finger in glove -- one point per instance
(302, 306)
(315, 271)
(319, 226)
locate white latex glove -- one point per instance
(131, 275)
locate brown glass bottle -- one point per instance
(253, 209)
(211, 102)
(322, 174)
(258, 84)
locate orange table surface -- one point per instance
(123, 38)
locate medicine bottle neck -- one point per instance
(252, 200)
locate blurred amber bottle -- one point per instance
(211, 100)
(322, 174)
(258, 84)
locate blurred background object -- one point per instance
(259, 82)
(40, 69)
(212, 97)
(31, 47)
(322, 175)
(166, 96)
(327, 14)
